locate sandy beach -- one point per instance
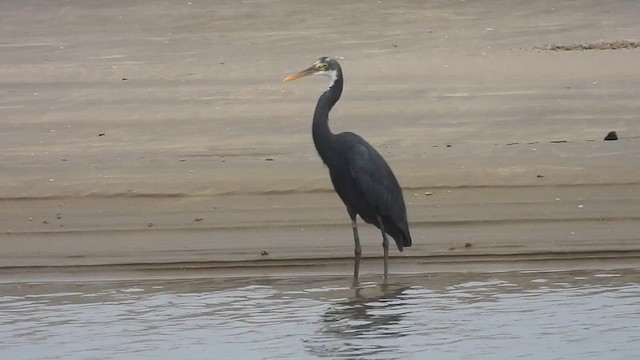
(156, 139)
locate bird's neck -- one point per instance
(322, 135)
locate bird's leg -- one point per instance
(357, 249)
(385, 248)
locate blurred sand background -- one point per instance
(155, 138)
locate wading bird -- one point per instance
(360, 176)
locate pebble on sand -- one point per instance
(611, 136)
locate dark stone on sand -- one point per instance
(611, 136)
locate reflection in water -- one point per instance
(567, 315)
(372, 312)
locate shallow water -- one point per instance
(530, 315)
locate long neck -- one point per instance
(322, 135)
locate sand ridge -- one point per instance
(158, 135)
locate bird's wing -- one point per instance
(373, 176)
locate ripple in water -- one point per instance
(534, 315)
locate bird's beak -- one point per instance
(304, 73)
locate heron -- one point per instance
(359, 174)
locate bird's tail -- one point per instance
(400, 234)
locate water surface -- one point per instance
(530, 315)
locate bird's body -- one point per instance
(368, 187)
(360, 175)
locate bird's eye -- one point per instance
(322, 66)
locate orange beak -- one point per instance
(304, 73)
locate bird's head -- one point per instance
(326, 66)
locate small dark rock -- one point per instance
(514, 143)
(448, 145)
(468, 244)
(611, 136)
(268, 159)
(540, 176)
(150, 224)
(101, 134)
(198, 219)
(124, 79)
(45, 222)
(264, 252)
(394, 45)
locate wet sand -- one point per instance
(155, 139)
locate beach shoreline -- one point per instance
(156, 139)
